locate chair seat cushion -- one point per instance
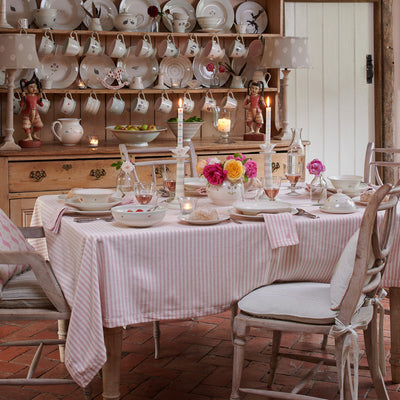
(307, 302)
(24, 291)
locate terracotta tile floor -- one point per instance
(195, 363)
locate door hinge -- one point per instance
(369, 68)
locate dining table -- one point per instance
(113, 275)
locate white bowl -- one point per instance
(208, 22)
(339, 203)
(131, 216)
(189, 129)
(346, 183)
(136, 138)
(91, 196)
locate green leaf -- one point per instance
(117, 165)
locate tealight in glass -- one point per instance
(187, 204)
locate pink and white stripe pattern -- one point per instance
(281, 230)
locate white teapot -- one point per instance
(68, 131)
(126, 22)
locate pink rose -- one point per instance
(237, 156)
(251, 168)
(221, 69)
(315, 167)
(214, 174)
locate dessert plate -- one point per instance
(16, 9)
(185, 218)
(70, 13)
(62, 70)
(204, 76)
(176, 69)
(106, 7)
(94, 213)
(92, 68)
(140, 7)
(92, 206)
(218, 8)
(252, 14)
(179, 6)
(268, 207)
(235, 213)
(194, 183)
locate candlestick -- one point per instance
(224, 125)
(267, 151)
(180, 123)
(93, 141)
(268, 122)
(180, 154)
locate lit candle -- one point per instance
(180, 123)
(188, 204)
(224, 125)
(81, 84)
(93, 141)
(268, 122)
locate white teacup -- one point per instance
(241, 28)
(191, 47)
(115, 104)
(167, 47)
(92, 104)
(46, 105)
(71, 46)
(237, 48)
(16, 103)
(179, 15)
(93, 45)
(163, 103)
(229, 101)
(207, 103)
(144, 48)
(67, 104)
(45, 17)
(188, 103)
(213, 49)
(137, 83)
(117, 47)
(140, 104)
(180, 25)
(47, 45)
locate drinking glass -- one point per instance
(271, 186)
(144, 192)
(169, 181)
(293, 173)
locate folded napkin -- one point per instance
(52, 222)
(281, 229)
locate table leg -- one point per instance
(394, 298)
(112, 367)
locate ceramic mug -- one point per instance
(137, 83)
(93, 45)
(23, 23)
(207, 103)
(115, 104)
(92, 104)
(16, 105)
(229, 101)
(117, 47)
(140, 104)
(241, 28)
(47, 45)
(191, 47)
(71, 46)
(163, 103)
(167, 48)
(67, 104)
(188, 103)
(46, 105)
(144, 48)
(180, 25)
(238, 48)
(212, 49)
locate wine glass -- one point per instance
(169, 182)
(271, 186)
(144, 192)
(293, 173)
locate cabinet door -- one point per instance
(21, 211)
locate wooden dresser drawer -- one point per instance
(60, 175)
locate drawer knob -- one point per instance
(275, 166)
(67, 167)
(37, 176)
(98, 173)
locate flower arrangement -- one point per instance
(315, 167)
(235, 168)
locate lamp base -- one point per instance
(5, 25)
(6, 146)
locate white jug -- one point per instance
(68, 131)
(260, 75)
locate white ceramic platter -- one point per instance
(92, 68)
(19, 74)
(140, 7)
(62, 70)
(70, 13)
(186, 218)
(252, 14)
(146, 67)
(179, 6)
(257, 207)
(16, 9)
(218, 8)
(176, 69)
(106, 7)
(203, 75)
(92, 206)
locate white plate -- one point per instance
(176, 69)
(357, 200)
(210, 30)
(185, 218)
(257, 207)
(62, 70)
(235, 213)
(92, 206)
(146, 67)
(219, 8)
(16, 9)
(339, 211)
(140, 7)
(70, 13)
(203, 75)
(107, 7)
(252, 14)
(179, 6)
(92, 68)
(194, 183)
(106, 212)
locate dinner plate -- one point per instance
(146, 67)
(268, 207)
(221, 218)
(92, 68)
(106, 7)
(204, 76)
(253, 15)
(16, 9)
(62, 70)
(179, 6)
(218, 8)
(94, 213)
(140, 7)
(194, 183)
(339, 211)
(70, 13)
(176, 69)
(237, 214)
(92, 206)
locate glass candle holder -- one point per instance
(93, 141)
(188, 204)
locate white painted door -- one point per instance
(332, 101)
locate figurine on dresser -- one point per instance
(254, 104)
(31, 97)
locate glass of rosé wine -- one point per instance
(271, 186)
(293, 173)
(145, 192)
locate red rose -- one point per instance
(153, 11)
(210, 67)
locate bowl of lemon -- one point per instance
(191, 126)
(136, 135)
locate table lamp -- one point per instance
(3, 15)
(286, 53)
(18, 51)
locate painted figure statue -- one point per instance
(254, 103)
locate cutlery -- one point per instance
(90, 219)
(305, 213)
(234, 220)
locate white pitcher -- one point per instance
(68, 131)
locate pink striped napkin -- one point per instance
(52, 221)
(281, 229)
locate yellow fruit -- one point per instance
(151, 128)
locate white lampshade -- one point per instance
(18, 51)
(285, 52)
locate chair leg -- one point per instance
(273, 364)
(62, 335)
(156, 336)
(324, 342)
(87, 392)
(347, 391)
(234, 311)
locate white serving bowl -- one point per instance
(208, 22)
(130, 216)
(189, 129)
(346, 183)
(136, 138)
(339, 203)
(92, 195)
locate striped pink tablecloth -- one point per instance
(114, 276)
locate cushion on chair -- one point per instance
(24, 291)
(307, 302)
(11, 239)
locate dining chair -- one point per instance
(29, 291)
(379, 163)
(351, 301)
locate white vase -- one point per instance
(95, 25)
(225, 194)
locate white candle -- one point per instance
(268, 122)
(180, 123)
(93, 141)
(224, 125)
